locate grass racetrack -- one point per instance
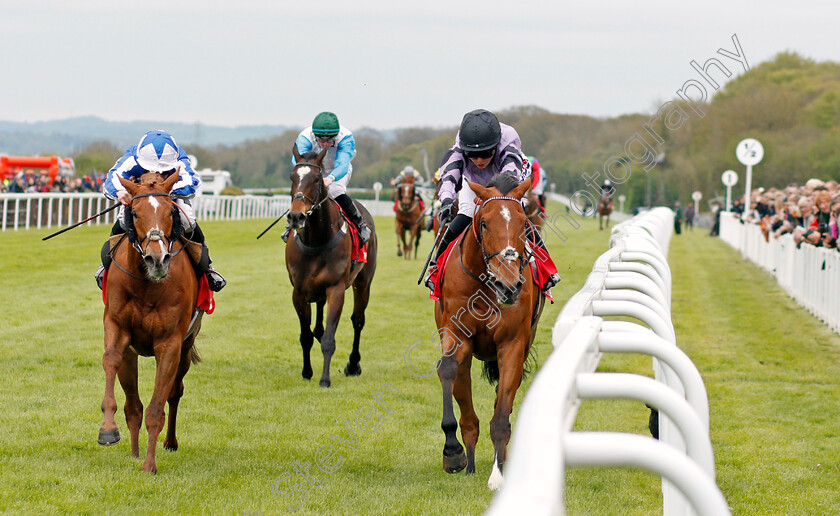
(251, 429)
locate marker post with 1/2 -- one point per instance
(730, 179)
(749, 152)
(377, 187)
(696, 196)
(621, 199)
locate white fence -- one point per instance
(47, 210)
(810, 275)
(631, 279)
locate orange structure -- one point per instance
(11, 165)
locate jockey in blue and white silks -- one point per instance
(157, 152)
(325, 131)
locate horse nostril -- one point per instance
(166, 259)
(150, 262)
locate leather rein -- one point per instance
(152, 236)
(479, 237)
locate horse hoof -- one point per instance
(173, 446)
(109, 437)
(324, 383)
(307, 375)
(454, 463)
(352, 369)
(399, 253)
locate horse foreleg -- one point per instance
(171, 441)
(168, 358)
(304, 313)
(133, 406)
(454, 459)
(335, 302)
(115, 343)
(399, 231)
(318, 331)
(361, 295)
(462, 390)
(415, 236)
(511, 363)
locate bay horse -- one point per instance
(533, 209)
(150, 297)
(605, 207)
(318, 260)
(489, 310)
(409, 217)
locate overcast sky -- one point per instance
(382, 64)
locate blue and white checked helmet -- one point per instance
(157, 152)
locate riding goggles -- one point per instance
(484, 154)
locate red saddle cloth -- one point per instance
(422, 205)
(357, 253)
(437, 275)
(542, 266)
(205, 301)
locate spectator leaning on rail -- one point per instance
(158, 152)
(483, 148)
(325, 132)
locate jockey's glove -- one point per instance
(445, 213)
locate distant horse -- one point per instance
(605, 207)
(409, 218)
(489, 310)
(318, 259)
(151, 294)
(533, 209)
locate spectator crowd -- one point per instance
(809, 212)
(28, 181)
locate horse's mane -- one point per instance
(309, 155)
(503, 182)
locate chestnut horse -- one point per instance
(409, 217)
(605, 207)
(489, 310)
(151, 294)
(319, 265)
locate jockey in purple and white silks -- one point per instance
(158, 152)
(325, 131)
(483, 148)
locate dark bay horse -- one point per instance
(605, 207)
(151, 294)
(489, 310)
(409, 218)
(533, 210)
(319, 265)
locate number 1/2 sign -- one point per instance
(749, 152)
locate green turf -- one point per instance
(247, 416)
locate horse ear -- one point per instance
(170, 181)
(519, 191)
(129, 185)
(321, 155)
(295, 152)
(480, 191)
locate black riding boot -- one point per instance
(536, 236)
(356, 218)
(456, 227)
(215, 280)
(100, 272)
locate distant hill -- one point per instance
(70, 135)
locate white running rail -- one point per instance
(631, 279)
(810, 275)
(47, 210)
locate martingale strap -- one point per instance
(326, 247)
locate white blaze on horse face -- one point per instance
(154, 202)
(302, 171)
(510, 254)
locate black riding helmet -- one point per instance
(480, 131)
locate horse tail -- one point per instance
(194, 356)
(491, 372)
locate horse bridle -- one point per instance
(413, 198)
(155, 234)
(300, 195)
(524, 258)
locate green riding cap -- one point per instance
(325, 124)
